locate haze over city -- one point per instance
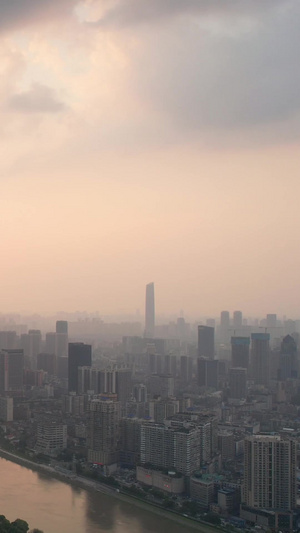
(150, 141)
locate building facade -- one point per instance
(270, 472)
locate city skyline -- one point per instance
(150, 308)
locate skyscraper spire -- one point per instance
(149, 312)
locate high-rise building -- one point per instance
(225, 319)
(47, 362)
(103, 432)
(62, 367)
(51, 438)
(186, 369)
(140, 392)
(270, 472)
(175, 447)
(288, 363)
(226, 444)
(240, 348)
(271, 321)
(260, 358)
(25, 345)
(8, 340)
(206, 342)
(51, 343)
(150, 312)
(107, 381)
(11, 370)
(238, 383)
(208, 427)
(123, 384)
(130, 437)
(116, 381)
(208, 432)
(167, 364)
(84, 379)
(62, 338)
(6, 409)
(207, 372)
(237, 319)
(62, 326)
(73, 404)
(161, 385)
(35, 345)
(80, 354)
(223, 329)
(162, 408)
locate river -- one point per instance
(57, 507)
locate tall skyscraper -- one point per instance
(206, 341)
(186, 369)
(238, 383)
(240, 348)
(270, 472)
(11, 370)
(51, 343)
(150, 312)
(123, 384)
(271, 321)
(103, 432)
(225, 320)
(62, 338)
(207, 372)
(62, 326)
(35, 343)
(130, 437)
(80, 354)
(260, 358)
(288, 363)
(237, 319)
(8, 340)
(223, 329)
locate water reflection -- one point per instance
(45, 477)
(100, 509)
(56, 507)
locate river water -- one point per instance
(56, 507)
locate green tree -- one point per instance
(19, 526)
(213, 518)
(168, 503)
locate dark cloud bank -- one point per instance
(242, 73)
(15, 14)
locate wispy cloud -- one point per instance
(38, 99)
(125, 13)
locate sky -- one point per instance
(150, 140)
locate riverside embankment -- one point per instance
(94, 491)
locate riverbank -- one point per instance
(88, 484)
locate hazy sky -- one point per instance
(150, 140)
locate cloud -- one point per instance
(207, 76)
(38, 99)
(131, 12)
(20, 13)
